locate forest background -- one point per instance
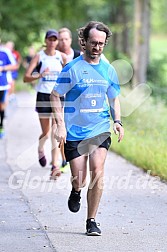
(137, 49)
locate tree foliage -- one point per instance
(159, 17)
(22, 21)
(25, 22)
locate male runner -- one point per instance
(91, 90)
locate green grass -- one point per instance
(158, 46)
(145, 141)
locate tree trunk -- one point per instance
(125, 34)
(120, 38)
(141, 41)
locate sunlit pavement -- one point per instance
(33, 209)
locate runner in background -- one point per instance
(7, 64)
(65, 42)
(11, 46)
(65, 46)
(51, 62)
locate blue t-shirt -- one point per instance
(6, 58)
(86, 88)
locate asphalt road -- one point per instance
(33, 210)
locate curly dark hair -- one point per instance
(83, 32)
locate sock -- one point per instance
(91, 219)
(73, 190)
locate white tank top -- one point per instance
(54, 63)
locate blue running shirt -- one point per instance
(6, 58)
(86, 88)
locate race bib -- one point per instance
(91, 103)
(50, 76)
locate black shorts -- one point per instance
(74, 149)
(3, 94)
(43, 105)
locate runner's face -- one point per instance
(51, 42)
(95, 43)
(64, 41)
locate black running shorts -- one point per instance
(74, 149)
(43, 105)
(3, 95)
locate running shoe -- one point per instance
(2, 132)
(42, 158)
(74, 201)
(92, 228)
(64, 163)
(64, 167)
(55, 172)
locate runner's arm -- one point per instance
(58, 116)
(116, 116)
(28, 77)
(64, 58)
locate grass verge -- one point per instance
(145, 141)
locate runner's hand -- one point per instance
(60, 134)
(118, 129)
